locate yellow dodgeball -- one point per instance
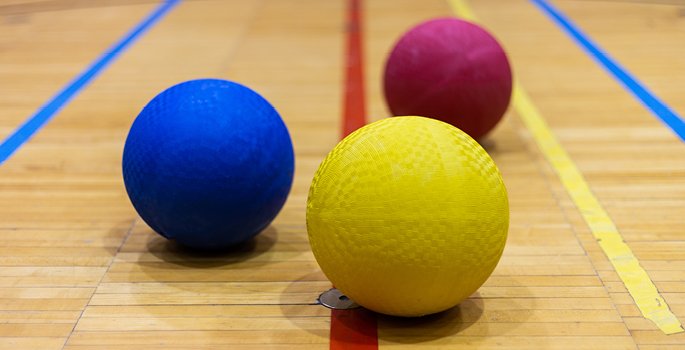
(407, 216)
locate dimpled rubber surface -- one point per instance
(407, 216)
(208, 163)
(451, 70)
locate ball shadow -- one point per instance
(177, 254)
(488, 144)
(182, 276)
(415, 330)
(298, 302)
(358, 323)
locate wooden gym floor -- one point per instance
(79, 270)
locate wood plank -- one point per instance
(23, 316)
(57, 330)
(43, 304)
(507, 342)
(32, 342)
(50, 276)
(46, 292)
(409, 330)
(192, 311)
(206, 324)
(197, 339)
(276, 346)
(657, 337)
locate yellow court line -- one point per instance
(634, 277)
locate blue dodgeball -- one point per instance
(208, 163)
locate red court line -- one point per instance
(354, 111)
(353, 329)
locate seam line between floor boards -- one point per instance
(109, 266)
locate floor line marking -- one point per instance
(659, 108)
(43, 115)
(634, 277)
(354, 107)
(353, 329)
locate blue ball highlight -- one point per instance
(208, 163)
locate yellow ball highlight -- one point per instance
(407, 216)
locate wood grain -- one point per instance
(79, 270)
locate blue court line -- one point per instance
(55, 104)
(648, 99)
